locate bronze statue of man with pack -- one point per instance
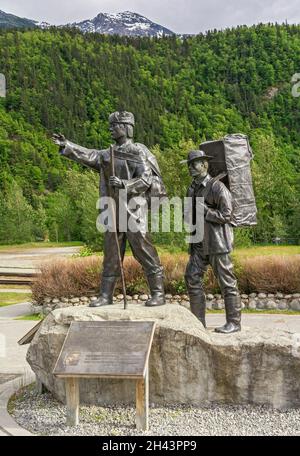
(130, 167)
(222, 178)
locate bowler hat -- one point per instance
(196, 155)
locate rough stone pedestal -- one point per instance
(187, 364)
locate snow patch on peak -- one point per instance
(43, 24)
(123, 23)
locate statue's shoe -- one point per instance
(102, 301)
(155, 301)
(228, 328)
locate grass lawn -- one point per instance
(265, 250)
(37, 245)
(34, 317)
(7, 299)
(239, 252)
(245, 252)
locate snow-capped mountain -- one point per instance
(43, 24)
(126, 23)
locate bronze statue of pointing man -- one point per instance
(135, 168)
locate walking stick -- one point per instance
(112, 157)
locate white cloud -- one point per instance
(182, 16)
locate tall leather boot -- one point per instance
(198, 307)
(107, 288)
(233, 315)
(157, 291)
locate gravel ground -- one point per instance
(41, 414)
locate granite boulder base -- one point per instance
(188, 364)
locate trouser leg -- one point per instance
(194, 274)
(111, 268)
(111, 262)
(146, 254)
(223, 269)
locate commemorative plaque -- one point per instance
(106, 349)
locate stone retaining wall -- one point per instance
(255, 301)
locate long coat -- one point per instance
(218, 232)
(135, 165)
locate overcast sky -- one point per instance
(181, 16)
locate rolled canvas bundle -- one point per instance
(232, 156)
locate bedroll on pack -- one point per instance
(157, 188)
(232, 155)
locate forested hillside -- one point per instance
(182, 91)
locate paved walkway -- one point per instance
(29, 260)
(14, 368)
(15, 310)
(270, 321)
(12, 355)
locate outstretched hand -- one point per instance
(59, 139)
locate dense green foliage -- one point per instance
(182, 91)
